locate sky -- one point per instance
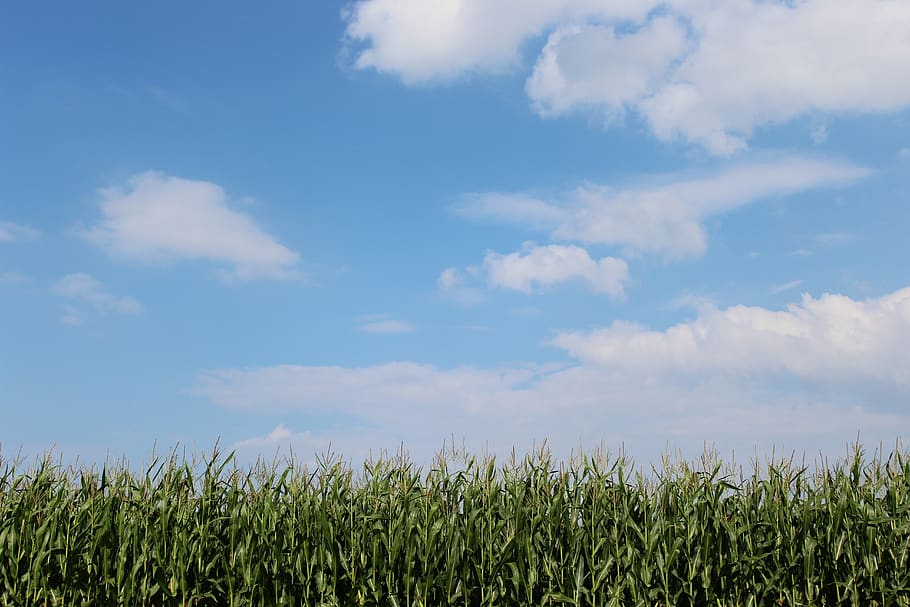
(634, 225)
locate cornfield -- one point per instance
(466, 531)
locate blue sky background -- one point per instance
(384, 222)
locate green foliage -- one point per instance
(466, 532)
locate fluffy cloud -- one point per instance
(445, 39)
(155, 217)
(744, 377)
(535, 267)
(449, 279)
(707, 71)
(14, 232)
(757, 63)
(831, 339)
(665, 217)
(85, 290)
(554, 264)
(592, 66)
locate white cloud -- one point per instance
(808, 378)
(387, 326)
(449, 279)
(787, 286)
(86, 290)
(366, 391)
(438, 40)
(707, 71)
(536, 267)
(14, 232)
(590, 66)
(757, 63)
(664, 217)
(904, 153)
(553, 264)
(520, 209)
(155, 217)
(829, 339)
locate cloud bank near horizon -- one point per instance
(741, 376)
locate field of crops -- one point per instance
(466, 531)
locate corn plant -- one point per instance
(466, 531)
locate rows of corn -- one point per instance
(465, 531)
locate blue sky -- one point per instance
(621, 223)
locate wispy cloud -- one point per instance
(72, 315)
(84, 291)
(452, 285)
(787, 286)
(283, 440)
(819, 133)
(387, 326)
(14, 232)
(158, 218)
(11, 278)
(166, 98)
(664, 217)
(835, 238)
(691, 301)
